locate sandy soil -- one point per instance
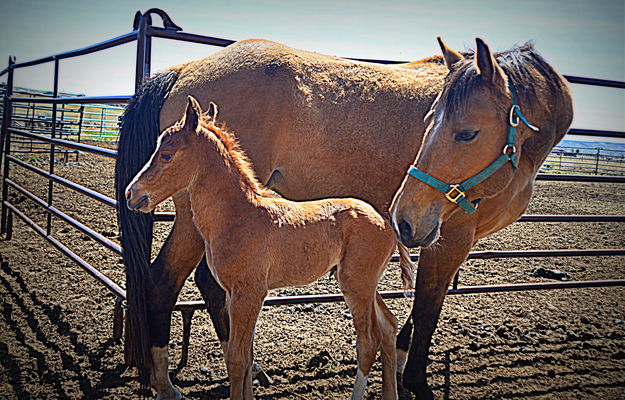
(56, 321)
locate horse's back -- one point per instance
(329, 126)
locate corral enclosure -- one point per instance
(485, 346)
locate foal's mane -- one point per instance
(520, 64)
(237, 155)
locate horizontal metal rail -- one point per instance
(495, 254)
(400, 294)
(106, 242)
(571, 218)
(579, 178)
(73, 100)
(67, 183)
(187, 37)
(106, 281)
(595, 82)
(107, 44)
(67, 143)
(595, 133)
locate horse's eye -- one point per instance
(466, 136)
(166, 156)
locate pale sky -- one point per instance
(576, 37)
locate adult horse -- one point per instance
(480, 147)
(315, 126)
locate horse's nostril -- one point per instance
(128, 194)
(405, 230)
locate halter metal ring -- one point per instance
(454, 197)
(509, 147)
(514, 119)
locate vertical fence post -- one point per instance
(55, 93)
(5, 147)
(144, 47)
(597, 161)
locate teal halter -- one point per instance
(456, 192)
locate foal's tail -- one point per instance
(407, 269)
(137, 142)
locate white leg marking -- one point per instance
(360, 386)
(160, 376)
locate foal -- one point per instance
(255, 242)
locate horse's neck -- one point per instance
(220, 199)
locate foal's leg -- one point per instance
(243, 309)
(359, 295)
(387, 324)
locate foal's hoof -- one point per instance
(260, 375)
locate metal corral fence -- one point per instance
(597, 161)
(142, 33)
(74, 121)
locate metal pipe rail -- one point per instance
(67, 143)
(400, 294)
(496, 254)
(65, 182)
(107, 44)
(73, 100)
(106, 242)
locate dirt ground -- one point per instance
(56, 321)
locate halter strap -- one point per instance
(456, 192)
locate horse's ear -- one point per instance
(450, 56)
(487, 66)
(192, 114)
(212, 111)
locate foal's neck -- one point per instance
(220, 196)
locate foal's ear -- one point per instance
(212, 111)
(450, 56)
(487, 65)
(192, 114)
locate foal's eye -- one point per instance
(166, 156)
(466, 136)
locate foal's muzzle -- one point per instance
(136, 202)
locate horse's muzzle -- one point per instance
(407, 235)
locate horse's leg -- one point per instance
(180, 254)
(215, 298)
(243, 309)
(387, 324)
(403, 344)
(437, 266)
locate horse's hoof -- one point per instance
(170, 394)
(418, 392)
(259, 374)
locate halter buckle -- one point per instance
(454, 197)
(513, 118)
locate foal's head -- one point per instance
(467, 130)
(172, 166)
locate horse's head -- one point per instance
(467, 154)
(170, 169)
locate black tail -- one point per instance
(137, 142)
